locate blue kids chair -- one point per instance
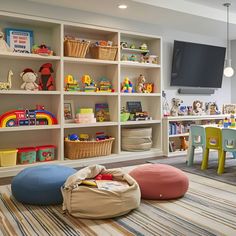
(228, 145)
(198, 139)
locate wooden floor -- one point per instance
(4, 181)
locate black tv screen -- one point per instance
(197, 65)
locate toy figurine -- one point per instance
(46, 81)
(144, 46)
(127, 86)
(165, 105)
(42, 50)
(72, 84)
(132, 46)
(183, 143)
(140, 84)
(3, 45)
(197, 108)
(123, 44)
(174, 111)
(89, 84)
(7, 85)
(29, 77)
(148, 88)
(132, 58)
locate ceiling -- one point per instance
(198, 16)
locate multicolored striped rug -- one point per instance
(209, 208)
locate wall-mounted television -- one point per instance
(197, 65)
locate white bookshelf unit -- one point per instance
(183, 120)
(52, 33)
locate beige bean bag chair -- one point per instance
(93, 203)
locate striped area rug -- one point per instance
(209, 208)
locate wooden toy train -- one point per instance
(37, 116)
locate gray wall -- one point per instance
(221, 96)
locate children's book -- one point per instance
(111, 185)
(102, 112)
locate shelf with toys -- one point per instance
(86, 83)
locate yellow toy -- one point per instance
(89, 84)
(86, 79)
(127, 86)
(71, 84)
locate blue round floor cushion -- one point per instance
(40, 185)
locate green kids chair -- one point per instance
(213, 141)
(228, 145)
(198, 139)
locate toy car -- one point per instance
(42, 50)
(141, 116)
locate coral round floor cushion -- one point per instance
(96, 202)
(159, 181)
(40, 185)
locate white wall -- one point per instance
(221, 96)
(233, 79)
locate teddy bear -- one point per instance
(198, 107)
(175, 111)
(140, 84)
(3, 45)
(29, 77)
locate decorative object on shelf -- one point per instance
(8, 157)
(84, 137)
(105, 85)
(71, 84)
(127, 86)
(123, 45)
(133, 58)
(103, 50)
(140, 84)
(102, 112)
(29, 77)
(73, 137)
(7, 85)
(27, 118)
(143, 46)
(89, 84)
(211, 108)
(153, 59)
(46, 80)
(176, 102)
(228, 70)
(20, 40)
(183, 143)
(198, 108)
(190, 110)
(124, 57)
(42, 50)
(132, 46)
(69, 110)
(148, 87)
(124, 115)
(136, 112)
(183, 111)
(101, 136)
(74, 47)
(165, 105)
(229, 109)
(85, 116)
(4, 47)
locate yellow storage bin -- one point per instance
(8, 157)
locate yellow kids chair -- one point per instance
(228, 145)
(213, 141)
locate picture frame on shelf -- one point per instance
(229, 109)
(69, 113)
(19, 40)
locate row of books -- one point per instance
(178, 128)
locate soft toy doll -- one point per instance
(175, 111)
(29, 77)
(198, 108)
(46, 80)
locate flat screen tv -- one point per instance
(197, 65)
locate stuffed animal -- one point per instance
(29, 77)
(198, 107)
(174, 111)
(3, 45)
(46, 81)
(183, 143)
(140, 84)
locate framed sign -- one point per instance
(229, 109)
(20, 40)
(69, 114)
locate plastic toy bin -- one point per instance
(46, 153)
(26, 155)
(8, 157)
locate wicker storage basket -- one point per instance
(75, 48)
(104, 52)
(85, 149)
